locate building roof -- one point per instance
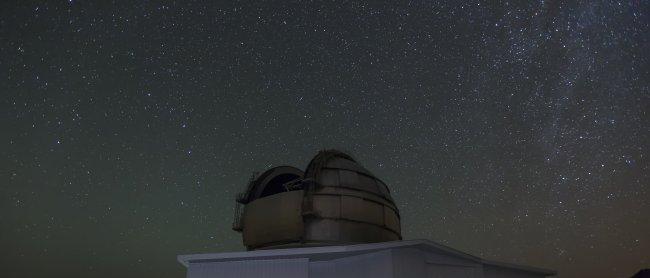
(334, 252)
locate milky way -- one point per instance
(514, 132)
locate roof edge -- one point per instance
(181, 259)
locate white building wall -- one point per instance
(399, 260)
(376, 265)
(502, 272)
(413, 262)
(409, 262)
(289, 268)
(452, 271)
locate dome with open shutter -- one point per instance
(336, 201)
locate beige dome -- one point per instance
(334, 202)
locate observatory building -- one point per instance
(335, 219)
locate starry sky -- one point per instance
(515, 131)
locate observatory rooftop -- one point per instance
(408, 258)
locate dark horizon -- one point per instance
(516, 132)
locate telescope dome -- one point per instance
(336, 201)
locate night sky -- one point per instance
(513, 132)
